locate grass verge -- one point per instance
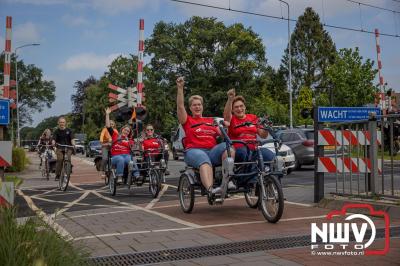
(35, 243)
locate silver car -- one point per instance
(301, 141)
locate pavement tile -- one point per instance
(215, 260)
(147, 247)
(180, 244)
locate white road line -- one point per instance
(168, 217)
(299, 204)
(97, 213)
(199, 227)
(47, 192)
(154, 201)
(58, 228)
(76, 187)
(69, 205)
(66, 202)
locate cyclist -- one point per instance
(201, 148)
(151, 141)
(106, 141)
(45, 139)
(121, 148)
(235, 114)
(64, 136)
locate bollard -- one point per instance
(318, 152)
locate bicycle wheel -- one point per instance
(186, 194)
(47, 169)
(272, 202)
(154, 182)
(112, 184)
(65, 175)
(107, 173)
(252, 197)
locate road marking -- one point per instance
(154, 201)
(199, 227)
(168, 217)
(94, 214)
(76, 187)
(48, 220)
(299, 204)
(66, 202)
(69, 205)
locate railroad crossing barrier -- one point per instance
(357, 152)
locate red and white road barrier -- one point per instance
(140, 64)
(378, 53)
(345, 137)
(336, 165)
(5, 92)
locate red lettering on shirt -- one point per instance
(203, 136)
(244, 133)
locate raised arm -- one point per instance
(108, 111)
(180, 105)
(228, 105)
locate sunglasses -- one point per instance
(149, 129)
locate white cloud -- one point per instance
(75, 21)
(88, 61)
(26, 33)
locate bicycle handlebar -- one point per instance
(66, 146)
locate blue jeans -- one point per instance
(119, 161)
(197, 157)
(241, 154)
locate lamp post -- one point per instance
(16, 86)
(290, 66)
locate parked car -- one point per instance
(93, 148)
(301, 141)
(79, 147)
(286, 154)
(176, 142)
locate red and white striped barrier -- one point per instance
(5, 93)
(378, 52)
(140, 64)
(357, 165)
(336, 137)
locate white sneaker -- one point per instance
(216, 190)
(231, 185)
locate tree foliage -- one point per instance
(312, 51)
(352, 79)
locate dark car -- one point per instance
(93, 148)
(301, 141)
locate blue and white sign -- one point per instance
(4, 112)
(342, 114)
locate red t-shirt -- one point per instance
(151, 143)
(201, 137)
(122, 146)
(244, 133)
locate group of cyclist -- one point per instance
(201, 149)
(61, 136)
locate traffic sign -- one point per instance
(4, 112)
(342, 114)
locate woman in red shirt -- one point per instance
(201, 149)
(235, 114)
(121, 147)
(153, 142)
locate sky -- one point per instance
(79, 38)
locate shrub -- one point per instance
(35, 243)
(19, 160)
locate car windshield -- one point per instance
(95, 143)
(309, 134)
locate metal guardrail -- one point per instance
(358, 157)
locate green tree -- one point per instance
(212, 57)
(312, 51)
(35, 93)
(304, 101)
(265, 104)
(78, 100)
(352, 79)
